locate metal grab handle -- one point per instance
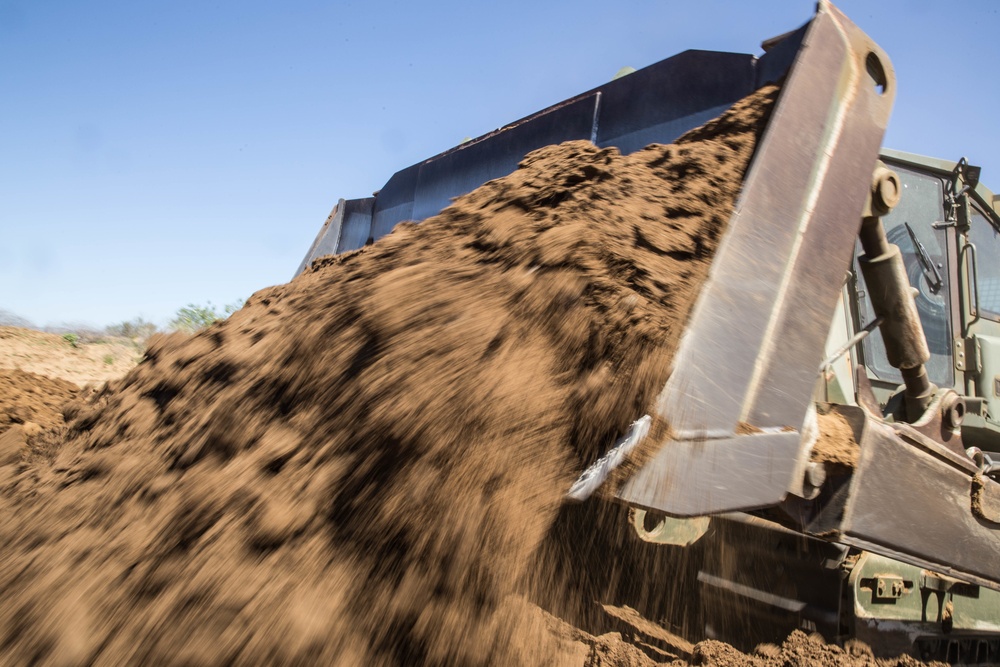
(973, 280)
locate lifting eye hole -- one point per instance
(876, 72)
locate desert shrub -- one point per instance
(136, 329)
(193, 317)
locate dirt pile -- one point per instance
(637, 642)
(31, 421)
(799, 650)
(30, 398)
(358, 466)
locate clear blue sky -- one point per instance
(154, 154)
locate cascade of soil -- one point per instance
(358, 466)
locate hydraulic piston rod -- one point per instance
(892, 295)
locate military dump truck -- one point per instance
(897, 542)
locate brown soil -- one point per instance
(31, 420)
(836, 443)
(799, 650)
(367, 465)
(29, 398)
(638, 642)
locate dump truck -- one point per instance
(866, 286)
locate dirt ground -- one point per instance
(368, 465)
(81, 363)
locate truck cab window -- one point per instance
(910, 226)
(986, 238)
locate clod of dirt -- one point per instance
(358, 467)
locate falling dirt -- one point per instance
(367, 465)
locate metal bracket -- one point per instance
(891, 588)
(969, 355)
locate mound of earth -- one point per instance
(364, 466)
(30, 398)
(31, 419)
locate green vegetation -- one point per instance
(191, 318)
(137, 329)
(194, 317)
(109, 359)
